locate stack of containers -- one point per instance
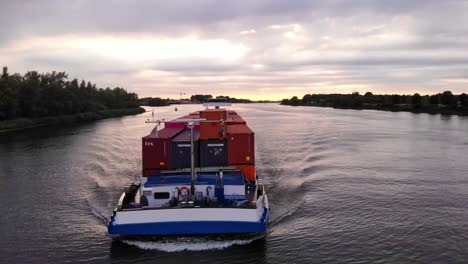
(212, 130)
(213, 145)
(180, 149)
(241, 149)
(234, 118)
(217, 144)
(157, 150)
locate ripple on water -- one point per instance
(344, 186)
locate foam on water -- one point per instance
(190, 244)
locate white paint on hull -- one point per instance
(192, 214)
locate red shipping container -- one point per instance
(214, 114)
(149, 172)
(157, 150)
(248, 171)
(241, 145)
(174, 124)
(235, 120)
(212, 130)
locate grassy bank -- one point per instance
(24, 123)
(405, 108)
(444, 103)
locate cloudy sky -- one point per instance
(254, 49)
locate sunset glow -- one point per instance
(281, 53)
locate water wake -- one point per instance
(99, 215)
(190, 244)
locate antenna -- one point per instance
(158, 123)
(191, 125)
(152, 119)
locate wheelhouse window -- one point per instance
(161, 195)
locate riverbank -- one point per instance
(26, 123)
(444, 103)
(401, 108)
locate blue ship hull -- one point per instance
(189, 228)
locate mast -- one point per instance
(190, 125)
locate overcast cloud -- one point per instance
(256, 49)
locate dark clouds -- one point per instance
(301, 46)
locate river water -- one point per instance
(345, 186)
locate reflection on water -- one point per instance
(344, 186)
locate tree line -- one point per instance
(34, 95)
(445, 102)
(197, 98)
(154, 101)
(202, 98)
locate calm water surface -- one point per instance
(344, 186)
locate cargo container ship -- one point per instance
(198, 178)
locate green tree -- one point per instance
(307, 99)
(5, 73)
(416, 100)
(447, 98)
(357, 102)
(434, 99)
(294, 101)
(396, 99)
(49, 94)
(200, 98)
(463, 98)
